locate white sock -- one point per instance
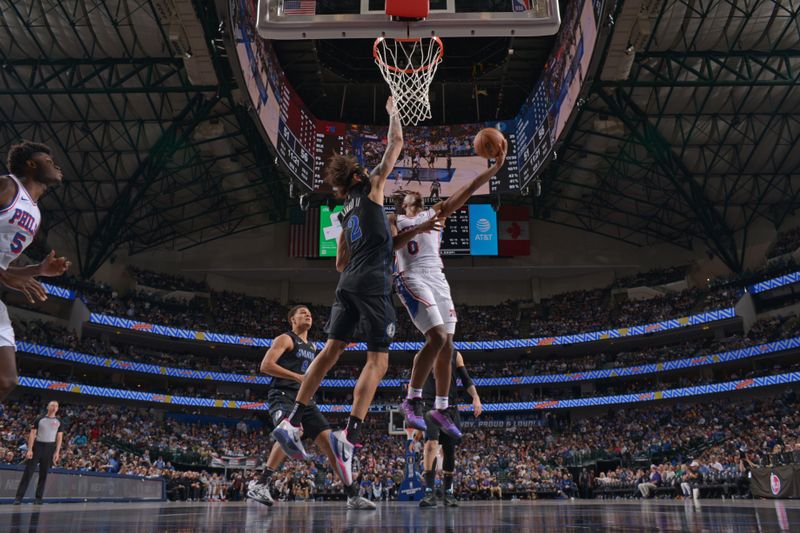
(441, 403)
(414, 393)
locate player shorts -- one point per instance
(6, 331)
(371, 316)
(433, 432)
(281, 404)
(426, 295)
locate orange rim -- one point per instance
(423, 68)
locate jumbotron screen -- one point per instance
(440, 156)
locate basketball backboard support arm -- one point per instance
(542, 19)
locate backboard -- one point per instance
(365, 19)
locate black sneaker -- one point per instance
(450, 499)
(429, 500)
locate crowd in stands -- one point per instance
(778, 267)
(567, 313)
(652, 278)
(167, 282)
(687, 443)
(584, 311)
(786, 242)
(763, 331)
(575, 312)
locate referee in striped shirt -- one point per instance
(44, 448)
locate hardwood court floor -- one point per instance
(546, 516)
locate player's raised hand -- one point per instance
(391, 108)
(500, 160)
(53, 266)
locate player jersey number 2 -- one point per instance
(355, 228)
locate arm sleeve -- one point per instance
(464, 376)
(36, 423)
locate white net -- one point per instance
(408, 66)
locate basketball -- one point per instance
(488, 142)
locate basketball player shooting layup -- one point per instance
(33, 171)
(426, 295)
(286, 360)
(363, 296)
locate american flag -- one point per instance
(304, 233)
(299, 7)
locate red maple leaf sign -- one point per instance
(514, 230)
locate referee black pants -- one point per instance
(43, 456)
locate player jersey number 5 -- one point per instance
(18, 242)
(19, 222)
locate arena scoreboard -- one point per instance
(435, 157)
(455, 237)
(472, 230)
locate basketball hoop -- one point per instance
(408, 66)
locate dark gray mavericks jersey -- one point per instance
(369, 239)
(295, 360)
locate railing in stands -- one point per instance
(578, 338)
(260, 342)
(607, 373)
(636, 397)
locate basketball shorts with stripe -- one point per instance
(426, 296)
(281, 403)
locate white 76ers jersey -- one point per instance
(423, 251)
(18, 225)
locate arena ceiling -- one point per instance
(139, 102)
(687, 134)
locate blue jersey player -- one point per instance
(363, 296)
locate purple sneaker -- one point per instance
(410, 409)
(445, 422)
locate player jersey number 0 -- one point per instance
(423, 250)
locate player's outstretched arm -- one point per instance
(466, 382)
(399, 240)
(280, 345)
(394, 146)
(454, 203)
